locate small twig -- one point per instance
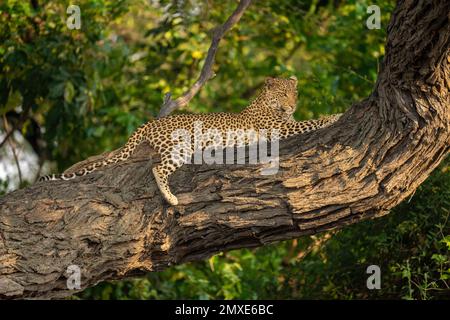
(206, 73)
(38, 174)
(15, 126)
(13, 148)
(317, 244)
(8, 134)
(412, 195)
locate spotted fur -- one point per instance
(272, 109)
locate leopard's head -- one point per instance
(281, 95)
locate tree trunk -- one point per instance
(114, 223)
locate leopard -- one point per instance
(272, 109)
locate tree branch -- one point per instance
(7, 136)
(13, 149)
(114, 223)
(206, 73)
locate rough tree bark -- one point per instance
(114, 224)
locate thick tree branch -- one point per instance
(114, 223)
(207, 72)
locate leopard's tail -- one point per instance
(126, 151)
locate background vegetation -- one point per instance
(71, 94)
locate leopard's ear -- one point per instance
(293, 79)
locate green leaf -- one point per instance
(69, 92)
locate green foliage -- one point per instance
(54, 72)
(84, 91)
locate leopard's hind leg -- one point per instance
(170, 162)
(161, 175)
